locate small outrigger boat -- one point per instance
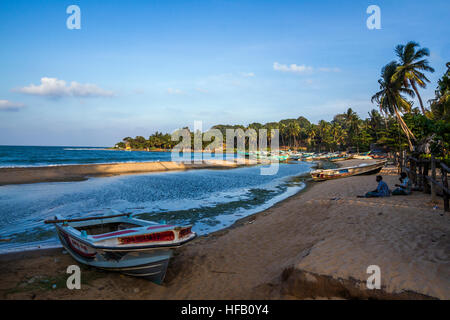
(364, 168)
(122, 243)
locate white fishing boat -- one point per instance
(364, 168)
(122, 243)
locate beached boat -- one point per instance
(379, 155)
(339, 158)
(364, 168)
(122, 243)
(362, 156)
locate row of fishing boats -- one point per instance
(329, 174)
(310, 156)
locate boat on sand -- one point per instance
(364, 168)
(122, 243)
(362, 156)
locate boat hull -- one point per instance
(149, 264)
(331, 174)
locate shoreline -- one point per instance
(306, 183)
(328, 238)
(80, 172)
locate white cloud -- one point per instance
(201, 90)
(300, 69)
(291, 68)
(53, 87)
(247, 74)
(174, 91)
(6, 105)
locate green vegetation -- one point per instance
(396, 125)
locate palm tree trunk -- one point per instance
(405, 129)
(384, 117)
(413, 85)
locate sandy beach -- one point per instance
(315, 245)
(82, 172)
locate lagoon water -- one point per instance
(208, 199)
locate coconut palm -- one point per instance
(352, 124)
(412, 66)
(374, 121)
(338, 135)
(440, 105)
(391, 100)
(294, 131)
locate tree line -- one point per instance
(396, 124)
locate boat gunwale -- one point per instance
(368, 165)
(92, 242)
(327, 174)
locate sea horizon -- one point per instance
(45, 156)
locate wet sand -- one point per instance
(82, 172)
(314, 245)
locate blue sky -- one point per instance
(142, 66)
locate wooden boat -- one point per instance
(362, 156)
(364, 168)
(378, 155)
(339, 158)
(122, 243)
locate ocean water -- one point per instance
(208, 199)
(23, 156)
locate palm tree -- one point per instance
(412, 66)
(352, 123)
(374, 121)
(440, 105)
(338, 135)
(391, 100)
(311, 132)
(294, 130)
(282, 128)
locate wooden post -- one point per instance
(433, 176)
(404, 159)
(426, 186)
(420, 175)
(413, 171)
(422, 172)
(445, 185)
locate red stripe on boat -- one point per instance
(160, 226)
(81, 253)
(112, 234)
(151, 237)
(70, 244)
